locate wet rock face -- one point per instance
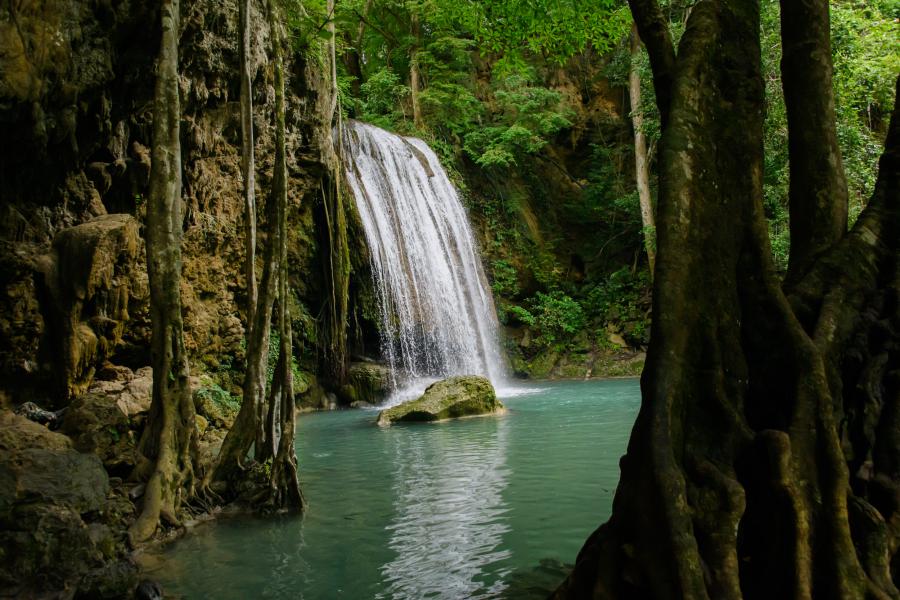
(55, 516)
(76, 118)
(368, 384)
(452, 398)
(87, 281)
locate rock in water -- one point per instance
(368, 384)
(452, 398)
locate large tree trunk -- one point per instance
(168, 444)
(337, 266)
(249, 428)
(284, 485)
(641, 155)
(735, 483)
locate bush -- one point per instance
(557, 317)
(504, 278)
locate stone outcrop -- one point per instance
(75, 97)
(368, 384)
(451, 398)
(87, 283)
(98, 425)
(57, 517)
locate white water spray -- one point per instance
(437, 313)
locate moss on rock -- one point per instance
(56, 518)
(368, 384)
(452, 398)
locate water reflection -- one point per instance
(450, 517)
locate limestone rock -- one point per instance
(132, 391)
(451, 398)
(368, 384)
(97, 424)
(86, 282)
(53, 500)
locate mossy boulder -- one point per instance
(452, 398)
(97, 424)
(57, 522)
(216, 405)
(368, 383)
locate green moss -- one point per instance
(451, 398)
(542, 365)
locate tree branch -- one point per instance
(818, 188)
(653, 27)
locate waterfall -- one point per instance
(437, 313)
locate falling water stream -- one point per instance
(437, 314)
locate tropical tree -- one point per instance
(765, 459)
(168, 445)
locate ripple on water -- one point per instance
(494, 507)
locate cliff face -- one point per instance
(76, 83)
(561, 236)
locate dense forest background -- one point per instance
(533, 114)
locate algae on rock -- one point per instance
(451, 398)
(86, 291)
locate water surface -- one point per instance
(491, 507)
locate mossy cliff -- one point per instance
(560, 232)
(75, 100)
(76, 91)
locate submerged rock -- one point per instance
(452, 398)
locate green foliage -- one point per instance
(526, 117)
(381, 95)
(557, 317)
(272, 360)
(522, 315)
(622, 301)
(556, 29)
(220, 397)
(866, 60)
(504, 278)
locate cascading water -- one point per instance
(437, 314)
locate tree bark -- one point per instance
(284, 485)
(168, 444)
(332, 51)
(248, 167)
(337, 266)
(818, 188)
(737, 479)
(249, 428)
(653, 29)
(641, 158)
